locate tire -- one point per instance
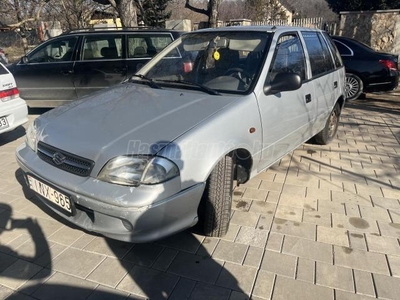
(215, 205)
(354, 86)
(326, 135)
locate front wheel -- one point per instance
(326, 135)
(354, 86)
(215, 205)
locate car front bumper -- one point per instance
(132, 214)
(16, 113)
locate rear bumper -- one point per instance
(16, 113)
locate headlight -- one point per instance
(31, 136)
(135, 170)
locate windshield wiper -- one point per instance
(148, 80)
(202, 87)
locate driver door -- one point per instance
(47, 76)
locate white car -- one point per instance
(13, 109)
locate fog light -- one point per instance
(127, 225)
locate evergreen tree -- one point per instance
(153, 12)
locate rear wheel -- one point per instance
(215, 206)
(326, 135)
(354, 86)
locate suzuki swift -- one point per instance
(160, 152)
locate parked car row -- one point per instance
(80, 62)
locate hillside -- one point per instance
(310, 8)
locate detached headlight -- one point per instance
(135, 170)
(31, 136)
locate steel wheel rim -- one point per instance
(352, 87)
(333, 122)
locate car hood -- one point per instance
(127, 119)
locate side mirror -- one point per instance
(24, 59)
(283, 82)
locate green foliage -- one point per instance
(351, 5)
(153, 12)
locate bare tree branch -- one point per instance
(196, 9)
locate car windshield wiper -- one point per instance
(148, 80)
(202, 87)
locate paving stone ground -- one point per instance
(322, 223)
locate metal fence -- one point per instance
(320, 23)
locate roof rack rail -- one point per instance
(88, 29)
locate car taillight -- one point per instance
(390, 64)
(9, 94)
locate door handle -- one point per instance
(121, 70)
(67, 72)
(335, 85)
(308, 98)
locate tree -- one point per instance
(265, 10)
(211, 11)
(232, 10)
(153, 12)
(351, 5)
(21, 12)
(179, 11)
(72, 14)
(126, 11)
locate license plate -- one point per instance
(3, 123)
(50, 194)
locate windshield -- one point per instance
(223, 61)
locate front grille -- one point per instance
(71, 163)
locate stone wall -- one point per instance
(378, 29)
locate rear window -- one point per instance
(3, 70)
(320, 57)
(102, 47)
(147, 45)
(336, 55)
(343, 49)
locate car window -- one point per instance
(147, 45)
(343, 49)
(320, 57)
(289, 57)
(224, 61)
(3, 70)
(102, 47)
(336, 55)
(54, 51)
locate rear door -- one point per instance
(286, 116)
(324, 77)
(100, 63)
(47, 77)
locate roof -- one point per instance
(119, 30)
(273, 28)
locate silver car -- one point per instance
(160, 152)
